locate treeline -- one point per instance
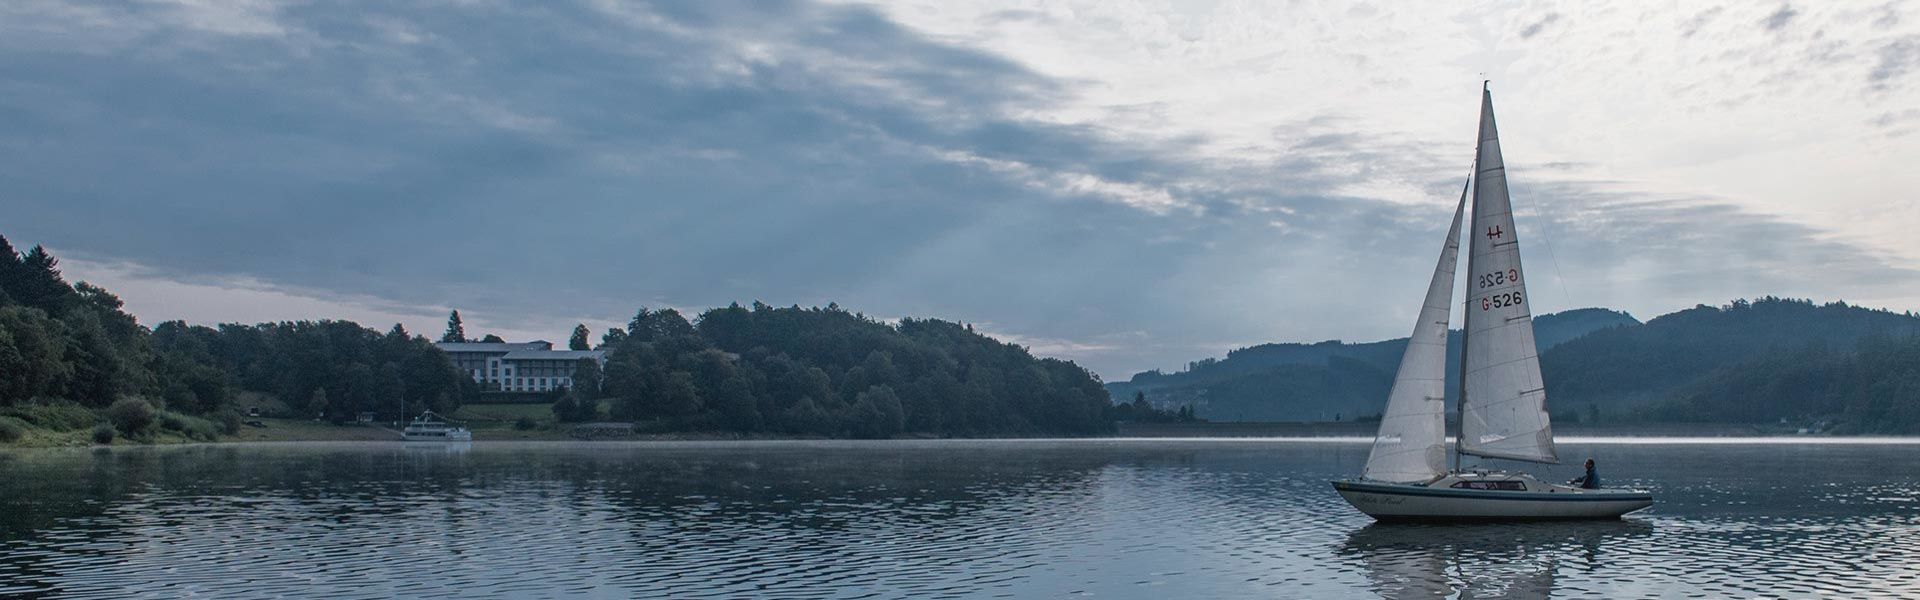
(829, 372)
(1627, 366)
(69, 354)
(328, 369)
(1874, 388)
(72, 345)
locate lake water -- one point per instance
(963, 519)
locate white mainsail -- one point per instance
(1503, 406)
(1411, 445)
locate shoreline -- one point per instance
(293, 431)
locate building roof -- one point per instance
(491, 346)
(555, 355)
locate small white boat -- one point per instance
(1503, 400)
(430, 427)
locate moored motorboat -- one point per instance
(430, 427)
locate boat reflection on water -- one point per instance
(1494, 560)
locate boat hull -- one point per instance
(1406, 502)
(446, 436)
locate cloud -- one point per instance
(1534, 29)
(1897, 58)
(1779, 19)
(156, 298)
(1131, 189)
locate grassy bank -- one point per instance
(267, 430)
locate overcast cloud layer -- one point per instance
(1130, 185)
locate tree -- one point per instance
(734, 401)
(456, 331)
(317, 403)
(806, 417)
(41, 285)
(361, 388)
(581, 338)
(679, 397)
(99, 374)
(612, 338)
(11, 272)
(389, 391)
(587, 378)
(877, 414)
(492, 339)
(130, 415)
(122, 327)
(570, 407)
(651, 325)
(33, 350)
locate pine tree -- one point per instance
(580, 339)
(41, 285)
(10, 272)
(455, 331)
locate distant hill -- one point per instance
(1637, 365)
(1596, 362)
(1320, 381)
(1873, 389)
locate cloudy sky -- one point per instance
(1132, 185)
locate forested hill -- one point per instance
(71, 359)
(1317, 382)
(826, 371)
(1758, 361)
(1873, 389)
(1649, 363)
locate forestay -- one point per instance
(1411, 444)
(1503, 407)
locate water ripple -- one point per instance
(919, 520)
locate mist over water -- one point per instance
(1104, 518)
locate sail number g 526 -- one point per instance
(1488, 280)
(1501, 300)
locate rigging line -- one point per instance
(1566, 299)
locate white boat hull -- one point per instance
(450, 436)
(1413, 502)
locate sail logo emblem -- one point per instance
(1494, 232)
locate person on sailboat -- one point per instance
(1589, 481)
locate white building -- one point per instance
(518, 367)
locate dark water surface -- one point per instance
(978, 519)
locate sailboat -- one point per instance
(1503, 410)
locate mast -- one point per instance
(1462, 403)
(1466, 311)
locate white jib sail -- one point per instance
(1503, 412)
(1412, 442)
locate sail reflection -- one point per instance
(1505, 560)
